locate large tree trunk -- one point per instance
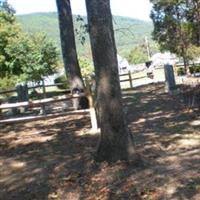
(68, 44)
(115, 143)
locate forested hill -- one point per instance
(128, 32)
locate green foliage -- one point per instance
(43, 58)
(62, 79)
(5, 6)
(176, 26)
(180, 71)
(194, 69)
(87, 68)
(197, 69)
(193, 52)
(8, 31)
(31, 57)
(191, 70)
(137, 55)
(81, 29)
(7, 83)
(168, 24)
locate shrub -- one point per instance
(192, 70)
(197, 69)
(180, 72)
(7, 83)
(62, 79)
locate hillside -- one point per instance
(128, 32)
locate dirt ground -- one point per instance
(53, 159)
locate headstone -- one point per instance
(170, 83)
(0, 104)
(22, 94)
(13, 111)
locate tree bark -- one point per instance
(68, 45)
(115, 142)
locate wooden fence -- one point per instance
(46, 101)
(33, 87)
(129, 77)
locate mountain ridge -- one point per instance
(129, 32)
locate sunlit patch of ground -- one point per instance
(53, 159)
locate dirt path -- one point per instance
(52, 159)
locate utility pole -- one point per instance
(147, 46)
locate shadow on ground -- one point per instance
(53, 159)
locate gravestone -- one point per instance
(22, 94)
(13, 111)
(170, 84)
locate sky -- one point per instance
(139, 9)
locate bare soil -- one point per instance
(53, 159)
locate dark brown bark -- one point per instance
(68, 44)
(115, 143)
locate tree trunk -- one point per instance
(115, 142)
(185, 61)
(68, 44)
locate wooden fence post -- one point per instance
(130, 79)
(44, 96)
(93, 117)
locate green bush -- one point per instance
(7, 83)
(62, 79)
(197, 69)
(192, 70)
(180, 72)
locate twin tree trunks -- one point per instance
(116, 142)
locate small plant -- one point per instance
(197, 69)
(62, 79)
(192, 69)
(7, 83)
(180, 72)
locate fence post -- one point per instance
(93, 117)
(44, 96)
(130, 79)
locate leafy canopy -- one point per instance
(137, 55)
(29, 57)
(177, 25)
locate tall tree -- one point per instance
(5, 6)
(23, 57)
(68, 44)
(115, 143)
(193, 17)
(171, 28)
